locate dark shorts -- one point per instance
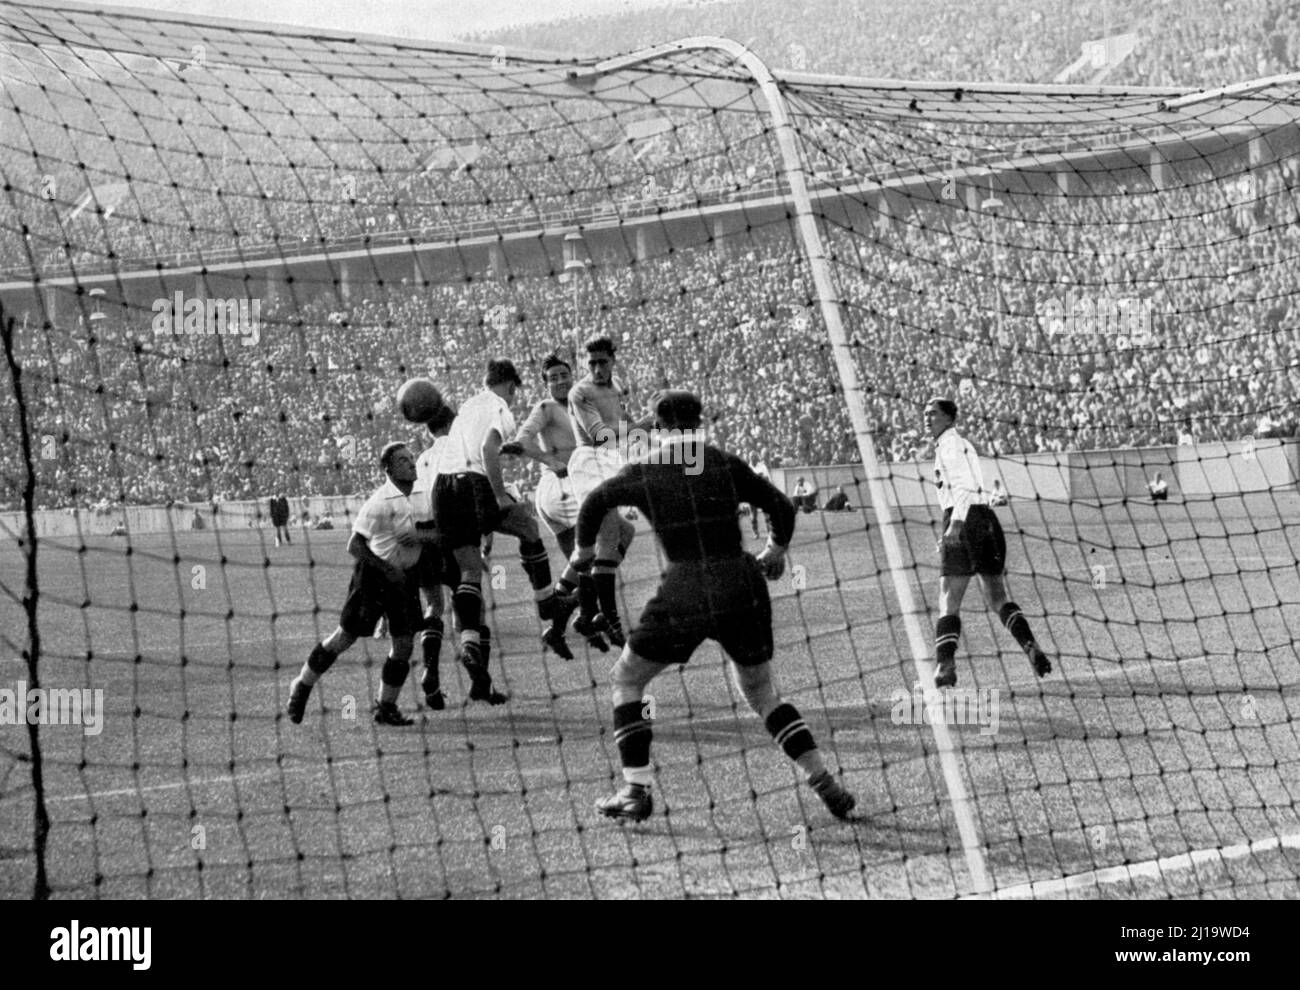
(723, 600)
(437, 567)
(465, 508)
(983, 548)
(371, 595)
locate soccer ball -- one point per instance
(419, 400)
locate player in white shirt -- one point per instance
(972, 543)
(437, 568)
(470, 501)
(387, 546)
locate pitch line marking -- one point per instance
(1152, 868)
(263, 774)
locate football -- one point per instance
(419, 400)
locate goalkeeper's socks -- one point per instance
(485, 644)
(317, 663)
(791, 733)
(392, 677)
(947, 632)
(1017, 625)
(632, 735)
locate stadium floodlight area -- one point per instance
(223, 246)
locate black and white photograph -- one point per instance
(643, 450)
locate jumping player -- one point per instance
(547, 436)
(437, 568)
(387, 548)
(470, 501)
(596, 408)
(973, 543)
(711, 589)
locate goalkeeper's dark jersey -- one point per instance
(692, 506)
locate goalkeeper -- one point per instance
(711, 589)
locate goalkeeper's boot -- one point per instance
(586, 628)
(387, 713)
(298, 695)
(480, 680)
(839, 802)
(609, 627)
(631, 802)
(1041, 661)
(946, 675)
(433, 696)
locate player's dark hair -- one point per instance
(386, 455)
(554, 361)
(600, 345)
(442, 419)
(945, 406)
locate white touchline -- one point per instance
(1148, 869)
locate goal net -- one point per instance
(223, 248)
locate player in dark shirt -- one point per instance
(711, 589)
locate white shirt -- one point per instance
(462, 449)
(957, 475)
(426, 473)
(387, 515)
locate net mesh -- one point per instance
(224, 247)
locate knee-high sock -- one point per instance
(485, 644)
(431, 646)
(537, 565)
(603, 574)
(632, 734)
(1017, 625)
(792, 734)
(588, 603)
(393, 676)
(467, 603)
(317, 663)
(946, 633)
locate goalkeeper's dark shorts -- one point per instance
(371, 595)
(983, 546)
(723, 599)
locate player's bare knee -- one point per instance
(757, 687)
(631, 674)
(338, 641)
